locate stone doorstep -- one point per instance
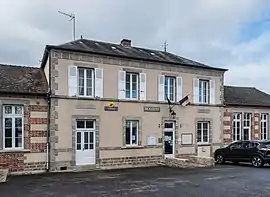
(3, 175)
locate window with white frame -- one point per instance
(86, 82)
(204, 91)
(13, 127)
(169, 88)
(132, 85)
(236, 126)
(132, 132)
(264, 126)
(203, 130)
(247, 126)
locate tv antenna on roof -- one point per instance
(72, 17)
(165, 46)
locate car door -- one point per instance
(244, 152)
(234, 151)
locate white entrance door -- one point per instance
(169, 139)
(85, 143)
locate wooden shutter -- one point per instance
(142, 86)
(161, 82)
(99, 82)
(196, 90)
(212, 92)
(72, 80)
(122, 84)
(179, 89)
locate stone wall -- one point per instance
(33, 156)
(125, 162)
(191, 162)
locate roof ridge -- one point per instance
(18, 66)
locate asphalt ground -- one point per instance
(221, 180)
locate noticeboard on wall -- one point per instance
(186, 139)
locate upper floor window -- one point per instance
(86, 82)
(169, 88)
(131, 85)
(13, 127)
(203, 91)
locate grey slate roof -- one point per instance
(22, 79)
(245, 96)
(112, 49)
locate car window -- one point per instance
(253, 144)
(265, 144)
(246, 145)
(236, 145)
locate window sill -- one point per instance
(15, 151)
(132, 147)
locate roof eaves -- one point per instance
(49, 47)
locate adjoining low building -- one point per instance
(112, 105)
(23, 117)
(246, 114)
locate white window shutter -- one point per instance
(142, 86)
(72, 80)
(179, 90)
(212, 92)
(122, 84)
(161, 83)
(99, 82)
(196, 90)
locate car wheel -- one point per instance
(257, 161)
(219, 159)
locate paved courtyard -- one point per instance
(225, 180)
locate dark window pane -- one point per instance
(8, 122)
(18, 122)
(78, 146)
(89, 124)
(199, 126)
(127, 134)
(134, 78)
(86, 146)
(86, 137)
(8, 109)
(91, 146)
(79, 140)
(134, 133)
(18, 109)
(80, 124)
(18, 132)
(8, 132)
(168, 125)
(8, 143)
(91, 137)
(18, 142)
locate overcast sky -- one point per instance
(233, 34)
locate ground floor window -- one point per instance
(236, 126)
(12, 127)
(131, 133)
(203, 132)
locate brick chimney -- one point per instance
(126, 43)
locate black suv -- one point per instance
(254, 151)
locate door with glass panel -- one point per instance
(85, 142)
